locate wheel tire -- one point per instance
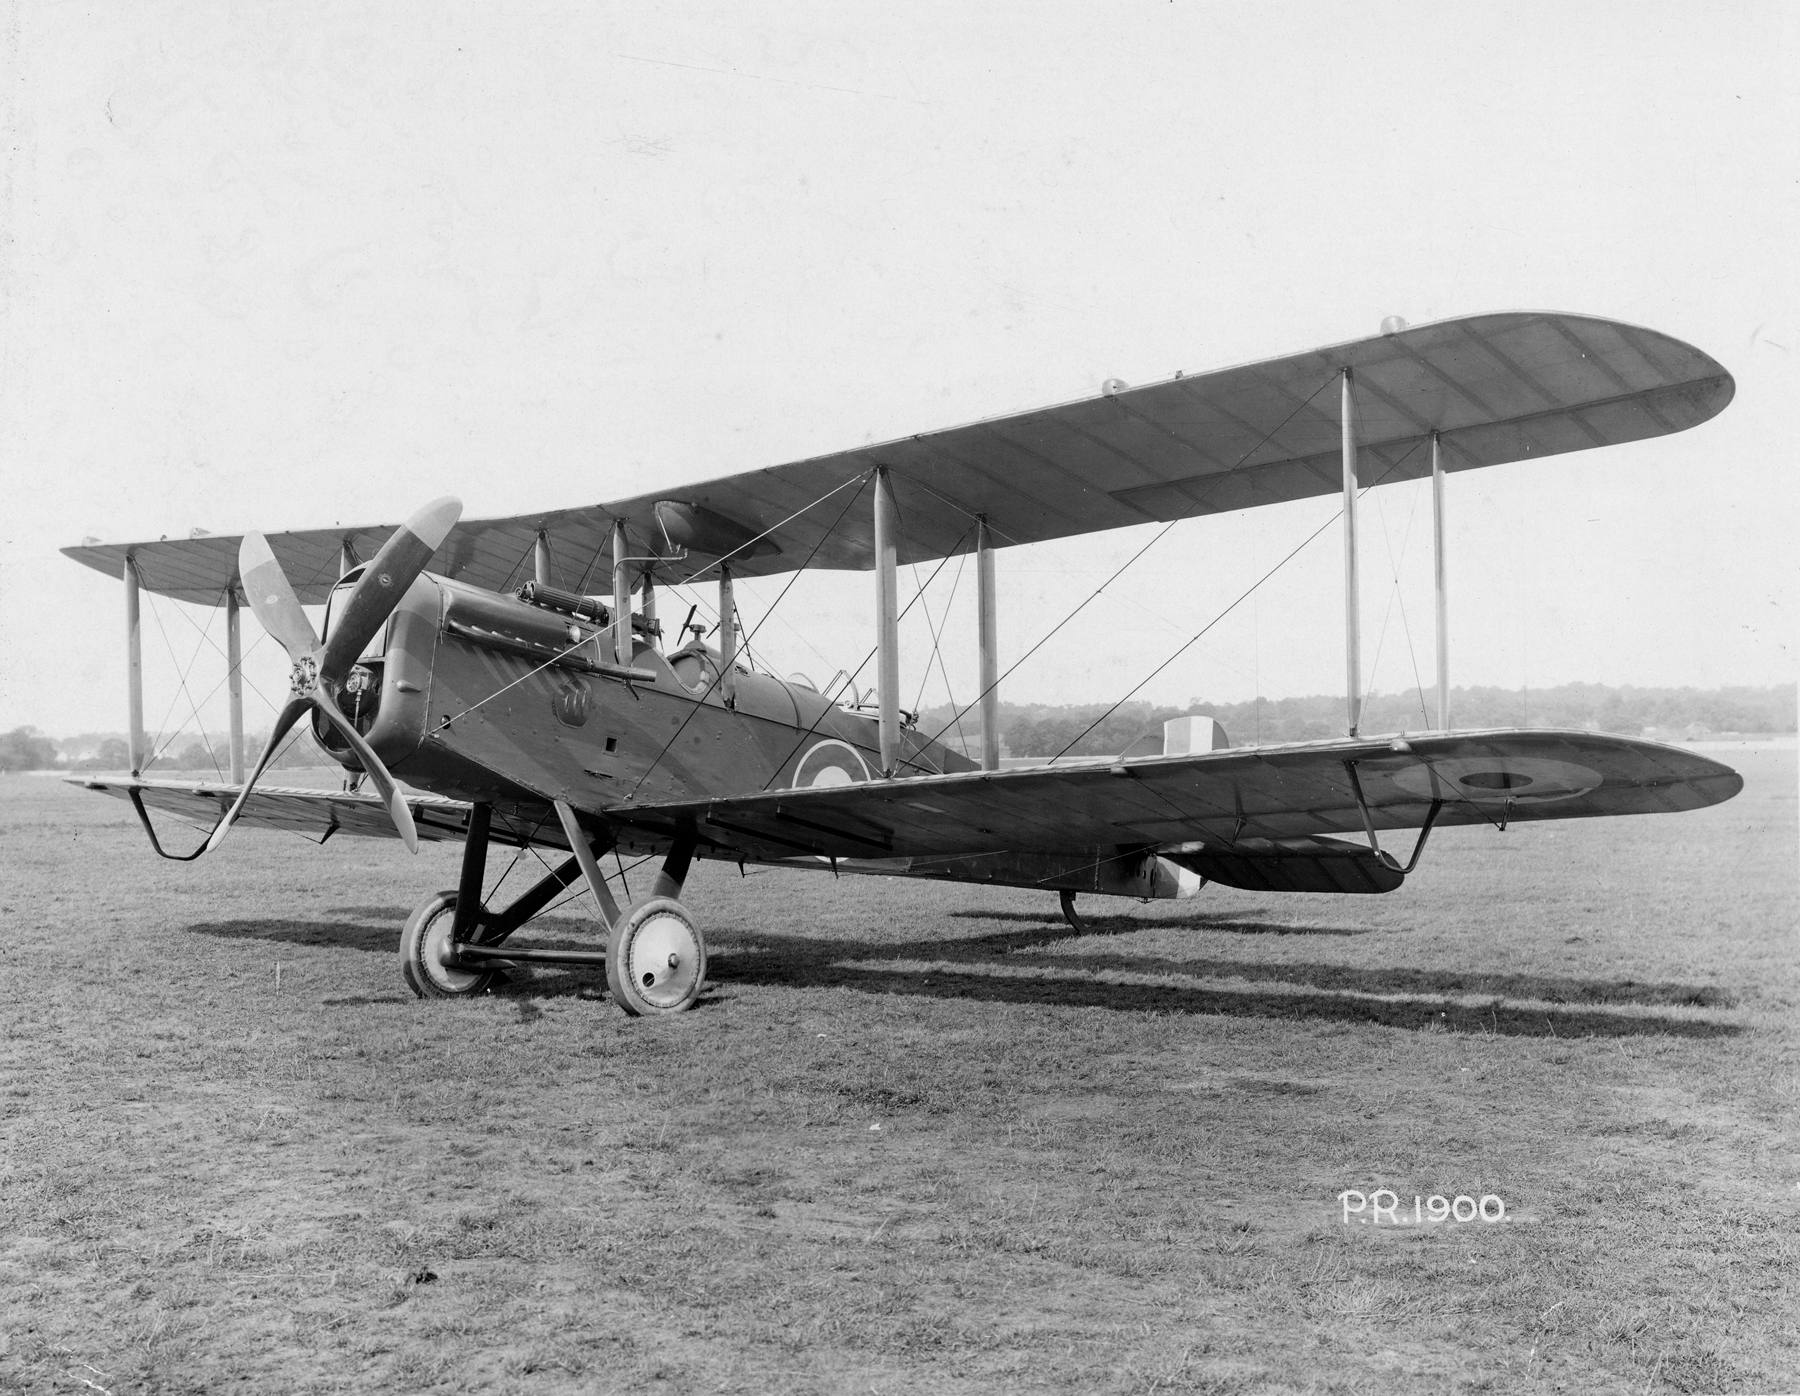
(656, 959)
(423, 945)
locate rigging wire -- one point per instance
(529, 550)
(288, 743)
(578, 888)
(180, 674)
(182, 612)
(163, 722)
(1187, 644)
(251, 683)
(182, 691)
(865, 477)
(857, 480)
(1397, 597)
(524, 843)
(797, 634)
(711, 612)
(563, 654)
(814, 727)
(914, 483)
(205, 638)
(593, 562)
(1394, 595)
(937, 652)
(1156, 538)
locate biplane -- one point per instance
(530, 714)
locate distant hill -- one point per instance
(1667, 714)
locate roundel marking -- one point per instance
(830, 762)
(1524, 780)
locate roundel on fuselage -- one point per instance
(830, 762)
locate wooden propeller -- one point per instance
(320, 669)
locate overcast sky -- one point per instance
(289, 265)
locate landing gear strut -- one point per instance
(655, 955)
(1072, 916)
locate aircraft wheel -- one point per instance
(656, 958)
(424, 945)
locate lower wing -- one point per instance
(319, 813)
(1259, 817)
(1220, 800)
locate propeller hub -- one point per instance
(304, 677)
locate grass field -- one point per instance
(916, 1138)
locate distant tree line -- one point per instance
(1673, 714)
(26, 749)
(1668, 713)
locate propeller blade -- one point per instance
(292, 713)
(396, 803)
(383, 582)
(270, 596)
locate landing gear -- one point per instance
(428, 961)
(656, 959)
(655, 956)
(1072, 916)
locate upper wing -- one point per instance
(320, 813)
(1218, 798)
(1496, 387)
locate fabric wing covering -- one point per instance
(317, 813)
(1497, 388)
(1217, 798)
(1236, 800)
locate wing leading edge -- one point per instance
(1497, 388)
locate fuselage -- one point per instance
(485, 697)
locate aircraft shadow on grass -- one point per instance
(1198, 921)
(340, 934)
(1416, 999)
